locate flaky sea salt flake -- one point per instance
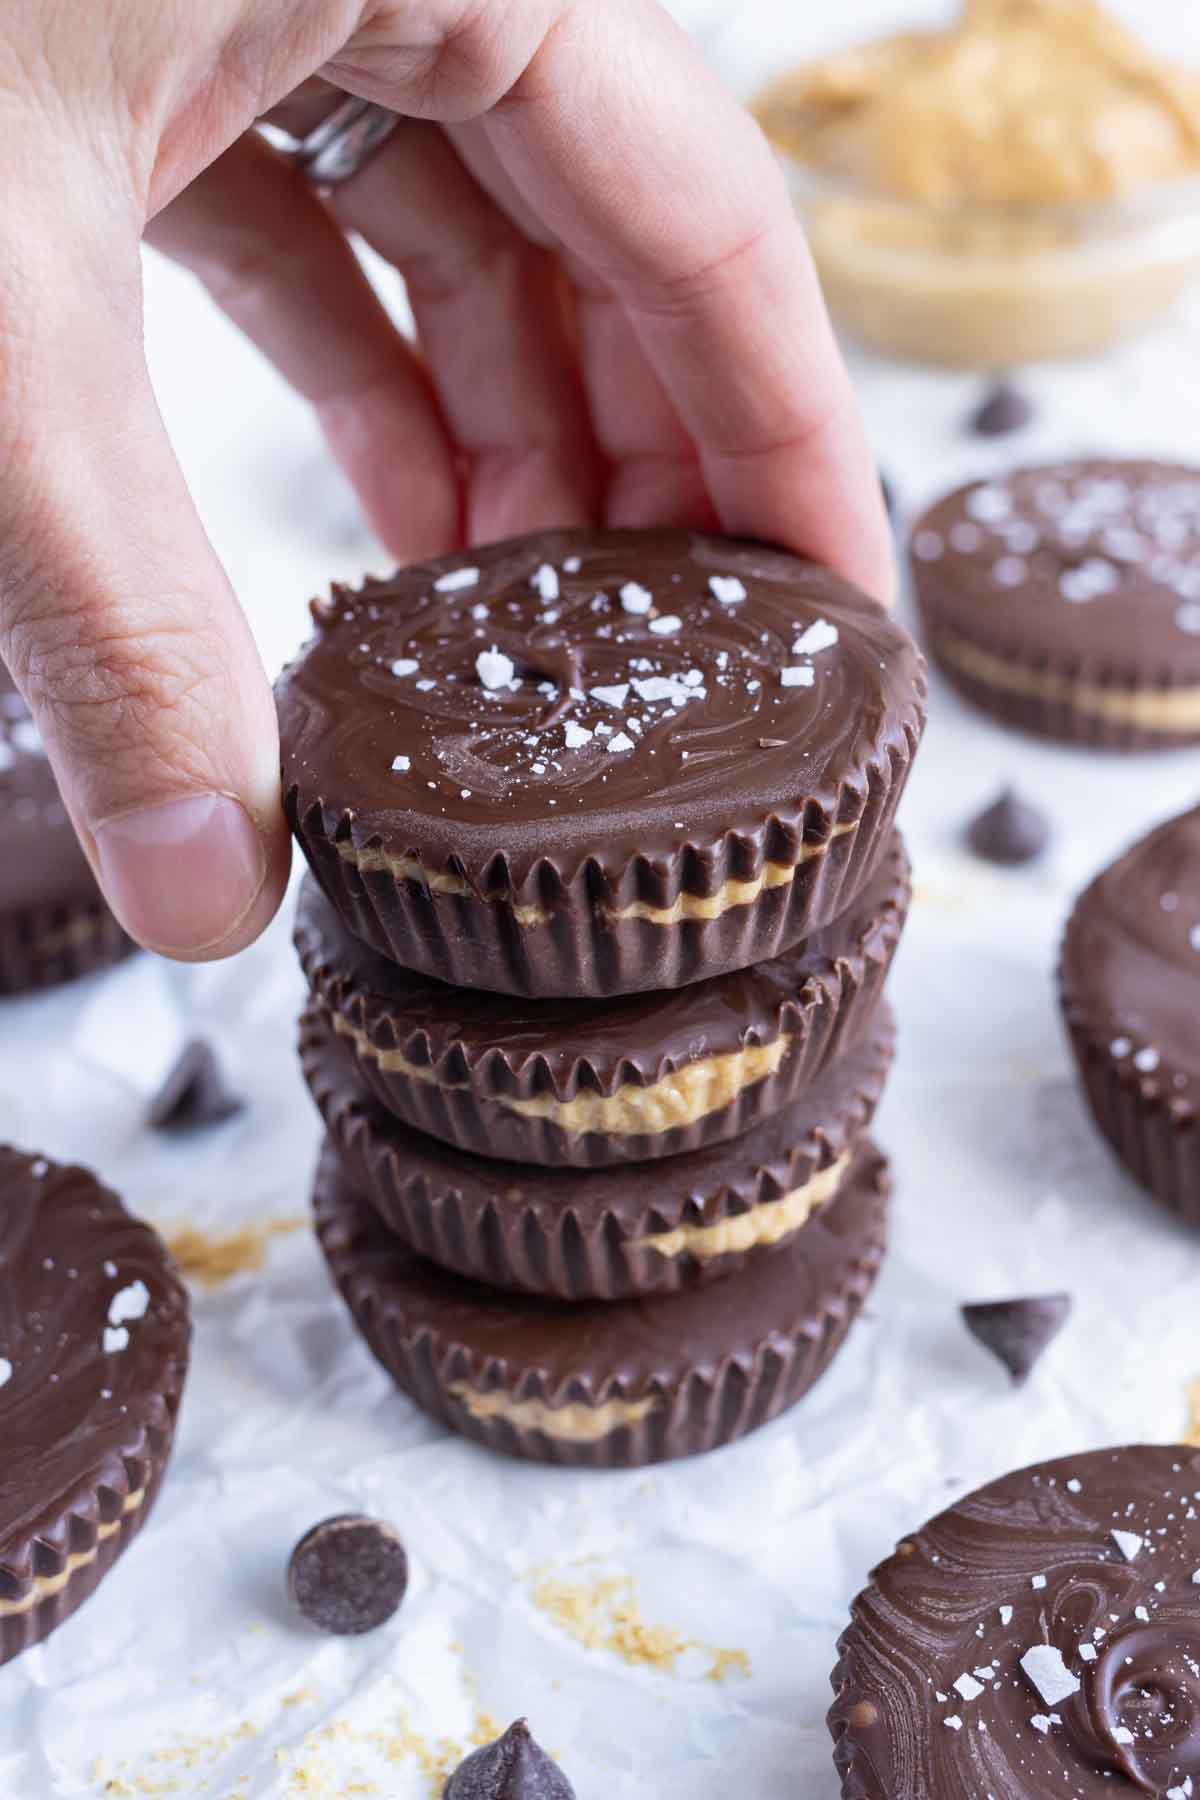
(456, 579)
(494, 669)
(802, 675)
(1044, 1666)
(727, 589)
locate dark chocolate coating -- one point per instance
(82, 1427)
(1004, 409)
(1009, 832)
(471, 1055)
(1130, 980)
(581, 1235)
(713, 1363)
(1085, 572)
(53, 923)
(194, 1093)
(1018, 1332)
(348, 1574)
(1133, 1724)
(514, 799)
(515, 1767)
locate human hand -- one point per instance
(618, 323)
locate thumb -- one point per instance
(116, 619)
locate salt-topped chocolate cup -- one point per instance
(1040, 1638)
(94, 1337)
(1065, 600)
(588, 763)
(54, 925)
(602, 1234)
(615, 1383)
(1129, 979)
(595, 1082)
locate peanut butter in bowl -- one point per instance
(1023, 184)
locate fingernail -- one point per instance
(183, 875)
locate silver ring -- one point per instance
(336, 149)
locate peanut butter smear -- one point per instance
(1021, 102)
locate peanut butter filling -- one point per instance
(768, 1223)
(46, 1586)
(1019, 103)
(958, 185)
(574, 1423)
(682, 1098)
(731, 893)
(1169, 710)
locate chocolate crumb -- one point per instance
(348, 1574)
(1005, 408)
(1017, 1332)
(194, 1093)
(1010, 831)
(515, 1767)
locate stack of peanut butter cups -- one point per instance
(605, 892)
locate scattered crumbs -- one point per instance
(605, 1614)
(212, 1258)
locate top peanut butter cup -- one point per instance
(597, 762)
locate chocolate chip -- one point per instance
(1009, 831)
(1006, 408)
(513, 1768)
(194, 1093)
(1018, 1331)
(348, 1574)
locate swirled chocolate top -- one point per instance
(1041, 1637)
(1131, 962)
(43, 865)
(1092, 564)
(584, 693)
(93, 1343)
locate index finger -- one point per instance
(648, 171)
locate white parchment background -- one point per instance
(186, 1675)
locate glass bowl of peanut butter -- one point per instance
(1022, 183)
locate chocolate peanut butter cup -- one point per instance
(609, 1233)
(593, 1082)
(591, 763)
(54, 925)
(610, 1384)
(1040, 1638)
(94, 1337)
(1065, 600)
(1130, 984)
